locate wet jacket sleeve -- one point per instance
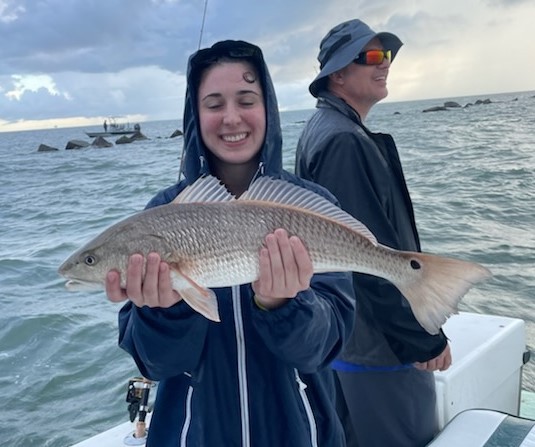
(345, 168)
(310, 330)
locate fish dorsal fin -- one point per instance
(205, 189)
(268, 189)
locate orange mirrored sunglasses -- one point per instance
(373, 57)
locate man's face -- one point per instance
(364, 85)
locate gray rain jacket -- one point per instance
(362, 169)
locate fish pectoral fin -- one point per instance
(197, 297)
(204, 302)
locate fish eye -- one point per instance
(90, 260)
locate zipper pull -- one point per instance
(302, 385)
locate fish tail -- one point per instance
(440, 283)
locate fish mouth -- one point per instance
(81, 285)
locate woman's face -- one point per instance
(232, 113)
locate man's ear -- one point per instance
(337, 77)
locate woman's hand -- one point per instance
(154, 289)
(285, 270)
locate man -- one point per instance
(386, 385)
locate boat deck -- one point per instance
(473, 382)
(116, 436)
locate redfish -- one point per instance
(211, 239)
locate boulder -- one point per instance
(452, 104)
(76, 144)
(483, 101)
(123, 140)
(435, 109)
(138, 136)
(129, 139)
(176, 133)
(101, 142)
(44, 148)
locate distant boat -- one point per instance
(112, 127)
(110, 133)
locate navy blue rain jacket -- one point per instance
(258, 378)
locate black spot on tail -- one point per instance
(415, 264)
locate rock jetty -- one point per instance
(455, 105)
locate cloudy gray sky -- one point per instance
(75, 62)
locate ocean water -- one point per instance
(63, 379)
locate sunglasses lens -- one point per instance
(374, 57)
(244, 51)
(208, 56)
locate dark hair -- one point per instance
(226, 51)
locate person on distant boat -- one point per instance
(261, 377)
(386, 394)
(105, 125)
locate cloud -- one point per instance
(70, 58)
(129, 92)
(9, 11)
(57, 36)
(32, 83)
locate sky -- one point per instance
(75, 62)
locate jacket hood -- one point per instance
(194, 160)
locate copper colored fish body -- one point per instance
(210, 239)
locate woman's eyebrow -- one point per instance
(246, 92)
(211, 95)
(239, 93)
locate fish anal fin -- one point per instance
(199, 298)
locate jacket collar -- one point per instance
(328, 100)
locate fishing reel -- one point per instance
(137, 397)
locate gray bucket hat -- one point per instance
(341, 46)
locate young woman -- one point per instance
(261, 376)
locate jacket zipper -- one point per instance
(242, 371)
(187, 419)
(308, 410)
(242, 377)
